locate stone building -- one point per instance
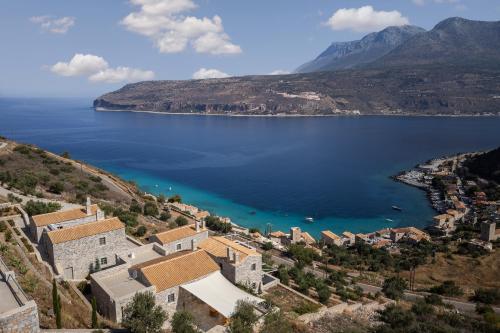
(489, 231)
(184, 280)
(181, 238)
(330, 238)
(18, 314)
(63, 219)
(73, 251)
(238, 263)
(411, 234)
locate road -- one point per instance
(367, 288)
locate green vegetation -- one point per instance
(150, 208)
(215, 224)
(243, 318)
(56, 188)
(267, 246)
(135, 207)
(394, 287)
(175, 198)
(276, 322)
(182, 322)
(303, 255)
(141, 231)
(56, 304)
(39, 207)
(486, 296)
(141, 315)
(181, 221)
(165, 216)
(447, 288)
(94, 323)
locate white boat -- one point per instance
(389, 220)
(309, 219)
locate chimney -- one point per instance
(197, 224)
(87, 208)
(194, 246)
(236, 256)
(229, 252)
(203, 224)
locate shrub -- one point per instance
(486, 296)
(39, 207)
(394, 287)
(129, 218)
(164, 216)
(141, 231)
(181, 221)
(305, 307)
(8, 236)
(324, 294)
(150, 208)
(243, 318)
(182, 322)
(267, 246)
(175, 198)
(22, 149)
(3, 226)
(215, 224)
(56, 188)
(135, 207)
(433, 299)
(447, 288)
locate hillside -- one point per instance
(486, 165)
(345, 55)
(452, 41)
(451, 70)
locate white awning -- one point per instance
(220, 294)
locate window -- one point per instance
(179, 247)
(104, 261)
(102, 241)
(171, 298)
(254, 267)
(254, 285)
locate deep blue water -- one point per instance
(335, 169)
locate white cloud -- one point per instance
(171, 31)
(122, 74)
(204, 73)
(279, 72)
(54, 25)
(423, 2)
(80, 64)
(97, 69)
(365, 19)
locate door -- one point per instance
(68, 273)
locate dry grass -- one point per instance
(287, 301)
(469, 273)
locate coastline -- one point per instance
(347, 114)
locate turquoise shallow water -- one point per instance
(335, 169)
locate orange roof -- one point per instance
(179, 270)
(277, 234)
(348, 234)
(62, 216)
(84, 230)
(177, 234)
(217, 246)
(308, 238)
(329, 234)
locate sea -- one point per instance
(263, 172)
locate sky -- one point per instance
(61, 48)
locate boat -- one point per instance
(389, 220)
(397, 208)
(309, 219)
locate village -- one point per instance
(192, 261)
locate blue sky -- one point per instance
(113, 42)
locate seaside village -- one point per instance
(193, 268)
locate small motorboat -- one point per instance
(389, 220)
(397, 208)
(309, 219)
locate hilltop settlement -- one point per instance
(82, 249)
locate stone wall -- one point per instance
(186, 243)
(244, 274)
(80, 255)
(37, 232)
(21, 320)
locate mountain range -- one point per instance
(452, 69)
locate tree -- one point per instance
(276, 322)
(150, 208)
(267, 246)
(56, 188)
(243, 318)
(141, 315)
(283, 275)
(324, 294)
(141, 231)
(447, 288)
(39, 207)
(56, 304)
(182, 322)
(95, 324)
(486, 296)
(135, 207)
(396, 317)
(164, 216)
(161, 198)
(65, 155)
(175, 198)
(181, 221)
(394, 287)
(97, 265)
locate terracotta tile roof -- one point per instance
(308, 238)
(177, 234)
(179, 270)
(348, 234)
(277, 234)
(217, 246)
(329, 234)
(84, 230)
(62, 216)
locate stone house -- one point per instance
(489, 232)
(330, 238)
(73, 251)
(63, 219)
(181, 238)
(409, 233)
(185, 280)
(238, 263)
(348, 238)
